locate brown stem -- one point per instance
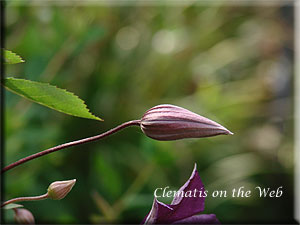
(70, 144)
(22, 199)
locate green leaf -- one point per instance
(11, 57)
(50, 96)
(12, 206)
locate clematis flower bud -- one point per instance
(23, 216)
(169, 122)
(59, 189)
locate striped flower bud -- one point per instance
(23, 216)
(169, 122)
(59, 189)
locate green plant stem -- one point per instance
(70, 144)
(22, 199)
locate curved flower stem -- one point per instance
(70, 144)
(22, 199)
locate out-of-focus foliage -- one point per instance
(231, 64)
(51, 96)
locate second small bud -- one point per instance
(59, 189)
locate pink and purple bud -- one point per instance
(23, 216)
(168, 122)
(59, 189)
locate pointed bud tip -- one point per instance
(229, 132)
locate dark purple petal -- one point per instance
(200, 219)
(159, 210)
(181, 206)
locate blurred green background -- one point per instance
(232, 64)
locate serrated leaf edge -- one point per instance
(50, 85)
(15, 54)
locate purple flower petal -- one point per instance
(159, 210)
(200, 219)
(188, 203)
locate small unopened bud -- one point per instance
(169, 122)
(59, 189)
(23, 216)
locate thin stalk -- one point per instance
(22, 199)
(70, 144)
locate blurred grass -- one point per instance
(231, 64)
